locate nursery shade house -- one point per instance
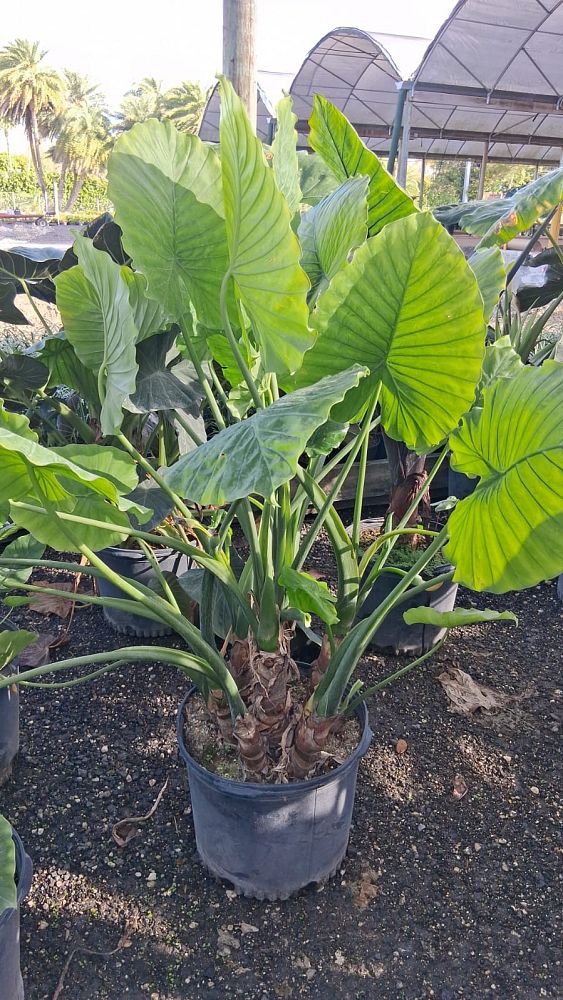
(490, 85)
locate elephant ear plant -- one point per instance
(388, 329)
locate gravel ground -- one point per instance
(439, 896)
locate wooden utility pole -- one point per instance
(239, 51)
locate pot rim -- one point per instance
(249, 789)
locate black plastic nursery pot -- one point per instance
(394, 635)
(269, 841)
(132, 564)
(9, 726)
(11, 983)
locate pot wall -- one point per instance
(394, 635)
(9, 729)
(11, 984)
(272, 840)
(132, 564)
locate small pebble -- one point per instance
(534, 790)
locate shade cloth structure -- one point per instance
(493, 75)
(354, 71)
(209, 127)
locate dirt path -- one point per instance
(440, 896)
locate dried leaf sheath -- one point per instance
(311, 735)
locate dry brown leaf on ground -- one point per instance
(37, 655)
(52, 604)
(365, 889)
(465, 696)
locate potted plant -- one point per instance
(288, 746)
(15, 881)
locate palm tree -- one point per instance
(185, 105)
(80, 127)
(82, 147)
(29, 89)
(5, 127)
(144, 101)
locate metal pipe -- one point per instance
(405, 139)
(483, 171)
(422, 173)
(397, 122)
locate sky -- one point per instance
(118, 43)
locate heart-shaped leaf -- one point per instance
(284, 155)
(508, 534)
(263, 250)
(340, 146)
(408, 306)
(175, 229)
(259, 454)
(99, 323)
(330, 230)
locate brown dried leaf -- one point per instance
(459, 788)
(466, 696)
(365, 889)
(52, 604)
(37, 655)
(401, 746)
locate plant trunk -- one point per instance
(408, 474)
(76, 189)
(271, 696)
(8, 150)
(35, 146)
(309, 739)
(62, 179)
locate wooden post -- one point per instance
(483, 171)
(422, 173)
(239, 51)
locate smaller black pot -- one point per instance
(11, 983)
(460, 485)
(394, 635)
(9, 726)
(272, 840)
(132, 564)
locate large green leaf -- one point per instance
(263, 250)
(500, 361)
(259, 454)
(31, 471)
(166, 188)
(160, 387)
(23, 371)
(309, 595)
(508, 534)
(284, 153)
(408, 306)
(16, 422)
(499, 221)
(23, 547)
(148, 315)
(316, 180)
(104, 460)
(343, 151)
(99, 323)
(8, 891)
(67, 536)
(67, 369)
(330, 230)
(488, 267)
(12, 643)
(9, 312)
